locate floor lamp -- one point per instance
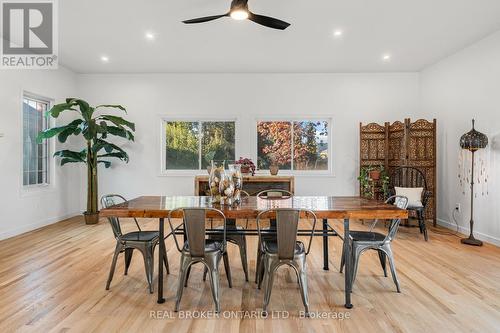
(472, 141)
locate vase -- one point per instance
(273, 169)
(226, 188)
(237, 178)
(216, 174)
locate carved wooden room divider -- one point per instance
(399, 144)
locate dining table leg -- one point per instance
(161, 250)
(325, 244)
(348, 266)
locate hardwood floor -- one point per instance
(53, 279)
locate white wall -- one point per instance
(455, 90)
(21, 210)
(346, 98)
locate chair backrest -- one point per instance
(244, 194)
(108, 201)
(407, 177)
(400, 202)
(195, 229)
(287, 223)
(272, 194)
(111, 200)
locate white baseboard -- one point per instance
(36, 225)
(466, 231)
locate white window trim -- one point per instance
(34, 189)
(162, 142)
(302, 173)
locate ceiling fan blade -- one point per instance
(269, 22)
(204, 19)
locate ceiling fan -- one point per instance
(239, 11)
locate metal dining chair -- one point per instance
(143, 241)
(284, 249)
(360, 241)
(235, 236)
(198, 249)
(270, 194)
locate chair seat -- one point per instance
(232, 236)
(272, 247)
(140, 236)
(367, 236)
(211, 245)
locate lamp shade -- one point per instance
(473, 140)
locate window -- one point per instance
(191, 145)
(293, 145)
(35, 155)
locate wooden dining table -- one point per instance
(324, 207)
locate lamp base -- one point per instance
(471, 241)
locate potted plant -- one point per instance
(247, 165)
(94, 128)
(370, 174)
(365, 182)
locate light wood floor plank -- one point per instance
(53, 279)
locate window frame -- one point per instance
(327, 173)
(50, 185)
(163, 141)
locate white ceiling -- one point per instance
(415, 32)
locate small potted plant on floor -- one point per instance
(95, 129)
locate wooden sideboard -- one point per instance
(251, 184)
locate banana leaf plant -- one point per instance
(95, 129)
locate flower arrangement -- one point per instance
(247, 165)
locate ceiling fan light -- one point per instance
(239, 14)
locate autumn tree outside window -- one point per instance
(300, 145)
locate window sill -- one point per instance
(182, 173)
(192, 173)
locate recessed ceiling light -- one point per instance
(338, 33)
(104, 58)
(150, 35)
(386, 57)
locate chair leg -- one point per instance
(165, 261)
(128, 259)
(302, 277)
(243, 254)
(187, 276)
(392, 265)
(269, 270)
(356, 254)
(214, 283)
(421, 222)
(228, 269)
(258, 264)
(262, 271)
(205, 271)
(381, 256)
(183, 269)
(113, 265)
(149, 266)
